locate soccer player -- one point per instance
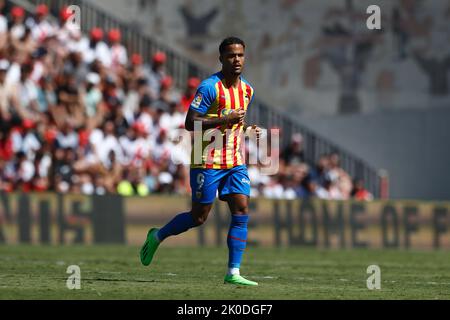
(219, 106)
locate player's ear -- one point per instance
(220, 59)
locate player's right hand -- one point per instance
(237, 116)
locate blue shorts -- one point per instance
(206, 182)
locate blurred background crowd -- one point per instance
(80, 114)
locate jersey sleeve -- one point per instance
(253, 96)
(204, 98)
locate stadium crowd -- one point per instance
(79, 115)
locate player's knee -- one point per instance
(241, 210)
(200, 213)
(199, 220)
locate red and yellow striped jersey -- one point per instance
(220, 147)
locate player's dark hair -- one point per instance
(229, 41)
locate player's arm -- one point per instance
(254, 127)
(204, 98)
(208, 123)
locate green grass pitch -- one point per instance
(115, 272)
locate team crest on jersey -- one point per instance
(247, 97)
(197, 100)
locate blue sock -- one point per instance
(237, 240)
(181, 223)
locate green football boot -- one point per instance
(239, 280)
(149, 247)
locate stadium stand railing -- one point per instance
(181, 68)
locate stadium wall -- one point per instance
(411, 145)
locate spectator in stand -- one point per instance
(120, 122)
(118, 53)
(16, 62)
(299, 174)
(24, 46)
(40, 26)
(130, 99)
(168, 94)
(127, 143)
(138, 145)
(273, 189)
(293, 153)
(6, 146)
(25, 172)
(359, 192)
(112, 172)
(146, 114)
(156, 74)
(327, 191)
(40, 65)
(25, 140)
(66, 28)
(339, 178)
(5, 184)
(69, 100)
(257, 180)
(307, 188)
(318, 172)
(132, 184)
(42, 163)
(17, 26)
(162, 147)
(98, 49)
(46, 94)
(112, 95)
(172, 119)
(189, 93)
(108, 142)
(67, 138)
(74, 66)
(3, 27)
(9, 104)
(92, 98)
(136, 68)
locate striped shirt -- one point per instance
(214, 99)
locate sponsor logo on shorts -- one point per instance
(244, 180)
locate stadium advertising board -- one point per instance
(317, 223)
(50, 218)
(379, 224)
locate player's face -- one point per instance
(233, 59)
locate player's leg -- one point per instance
(237, 233)
(185, 221)
(204, 186)
(179, 224)
(236, 191)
